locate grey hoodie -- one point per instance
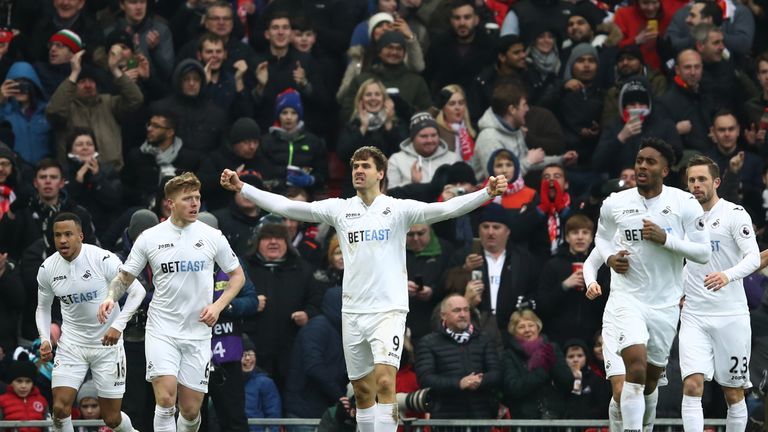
(400, 163)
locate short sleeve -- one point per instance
(225, 257)
(137, 259)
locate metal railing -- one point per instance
(418, 425)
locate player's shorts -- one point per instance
(717, 347)
(372, 338)
(641, 325)
(187, 359)
(107, 365)
(614, 364)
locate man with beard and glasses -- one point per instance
(715, 336)
(646, 233)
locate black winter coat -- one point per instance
(679, 104)
(441, 363)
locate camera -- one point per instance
(25, 87)
(417, 401)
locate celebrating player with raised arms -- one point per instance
(372, 230)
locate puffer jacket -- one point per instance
(32, 407)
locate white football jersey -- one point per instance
(182, 264)
(81, 286)
(734, 252)
(655, 275)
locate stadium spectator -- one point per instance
(284, 278)
(536, 377)
(91, 183)
(200, 123)
(294, 155)
(373, 123)
(262, 400)
(78, 102)
(459, 364)
(317, 376)
(151, 36)
(163, 154)
(241, 152)
(420, 155)
(23, 103)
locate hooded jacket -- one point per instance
(101, 113)
(200, 122)
(611, 155)
(511, 199)
(495, 135)
(318, 377)
(31, 129)
(32, 407)
(400, 163)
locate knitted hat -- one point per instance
(69, 39)
(141, 220)
(377, 19)
(7, 153)
(244, 129)
(6, 35)
(421, 120)
(87, 390)
(632, 51)
(289, 98)
(391, 37)
(634, 91)
(590, 13)
(248, 344)
(22, 369)
(494, 213)
(460, 172)
(119, 36)
(208, 219)
(577, 52)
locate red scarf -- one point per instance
(6, 198)
(466, 143)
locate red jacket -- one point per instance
(631, 21)
(32, 407)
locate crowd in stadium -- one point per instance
(103, 101)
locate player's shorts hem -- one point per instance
(198, 388)
(747, 385)
(111, 395)
(689, 373)
(360, 376)
(155, 375)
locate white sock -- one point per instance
(63, 425)
(184, 425)
(649, 416)
(366, 419)
(737, 417)
(632, 406)
(614, 416)
(692, 413)
(386, 418)
(164, 421)
(125, 425)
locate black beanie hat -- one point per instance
(244, 129)
(22, 369)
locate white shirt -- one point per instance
(734, 252)
(655, 275)
(495, 267)
(81, 286)
(182, 263)
(372, 239)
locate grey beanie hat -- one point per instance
(141, 220)
(208, 219)
(579, 50)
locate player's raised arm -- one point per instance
(457, 206)
(273, 203)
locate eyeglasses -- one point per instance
(219, 18)
(5, 163)
(156, 126)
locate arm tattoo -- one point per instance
(118, 286)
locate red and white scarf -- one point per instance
(464, 141)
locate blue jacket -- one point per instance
(33, 132)
(262, 400)
(317, 377)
